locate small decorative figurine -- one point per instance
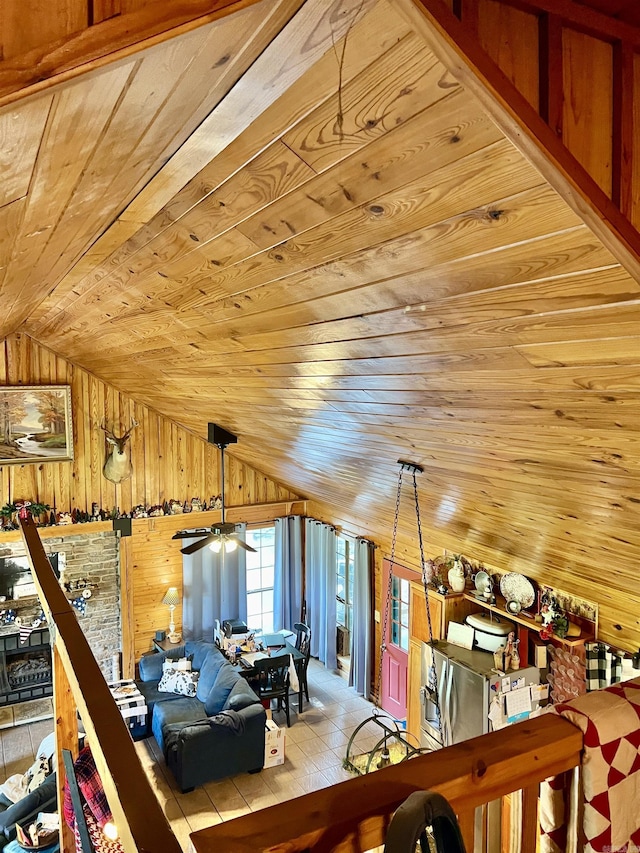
(175, 507)
(456, 574)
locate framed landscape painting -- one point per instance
(35, 424)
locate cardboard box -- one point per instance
(274, 738)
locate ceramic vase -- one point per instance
(456, 577)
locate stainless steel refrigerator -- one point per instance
(466, 686)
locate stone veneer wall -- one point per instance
(95, 558)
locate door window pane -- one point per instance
(400, 613)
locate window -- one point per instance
(400, 612)
(260, 568)
(344, 582)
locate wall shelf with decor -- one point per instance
(527, 624)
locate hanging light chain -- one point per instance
(387, 607)
(433, 680)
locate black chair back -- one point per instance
(272, 676)
(303, 644)
(303, 638)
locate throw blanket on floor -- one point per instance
(607, 796)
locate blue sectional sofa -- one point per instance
(216, 733)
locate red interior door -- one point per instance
(396, 656)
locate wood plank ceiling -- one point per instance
(344, 261)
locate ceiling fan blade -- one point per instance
(190, 534)
(245, 546)
(197, 546)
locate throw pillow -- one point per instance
(177, 681)
(37, 773)
(181, 664)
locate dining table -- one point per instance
(273, 645)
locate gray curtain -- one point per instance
(214, 586)
(287, 582)
(320, 563)
(360, 669)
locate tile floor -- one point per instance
(316, 744)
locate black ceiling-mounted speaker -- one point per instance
(222, 536)
(219, 436)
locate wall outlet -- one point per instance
(376, 615)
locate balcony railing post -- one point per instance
(66, 717)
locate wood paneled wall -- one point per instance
(168, 461)
(580, 70)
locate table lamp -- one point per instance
(172, 599)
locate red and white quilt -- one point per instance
(607, 799)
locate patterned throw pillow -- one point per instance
(177, 681)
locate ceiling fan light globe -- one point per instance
(216, 546)
(230, 545)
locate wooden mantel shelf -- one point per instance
(527, 621)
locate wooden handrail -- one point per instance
(353, 815)
(141, 823)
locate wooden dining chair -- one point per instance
(272, 681)
(303, 645)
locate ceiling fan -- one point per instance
(222, 536)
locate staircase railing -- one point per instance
(79, 686)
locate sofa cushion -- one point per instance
(241, 696)
(219, 693)
(149, 690)
(199, 650)
(209, 672)
(184, 709)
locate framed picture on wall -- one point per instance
(35, 424)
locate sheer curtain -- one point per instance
(361, 661)
(287, 581)
(320, 562)
(214, 586)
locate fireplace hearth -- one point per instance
(25, 669)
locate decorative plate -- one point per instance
(513, 607)
(482, 581)
(515, 587)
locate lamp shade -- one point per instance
(171, 597)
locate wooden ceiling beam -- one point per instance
(460, 52)
(584, 18)
(105, 42)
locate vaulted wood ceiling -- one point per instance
(323, 243)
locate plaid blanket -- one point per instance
(604, 666)
(603, 805)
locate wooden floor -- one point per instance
(316, 744)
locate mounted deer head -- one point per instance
(118, 465)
